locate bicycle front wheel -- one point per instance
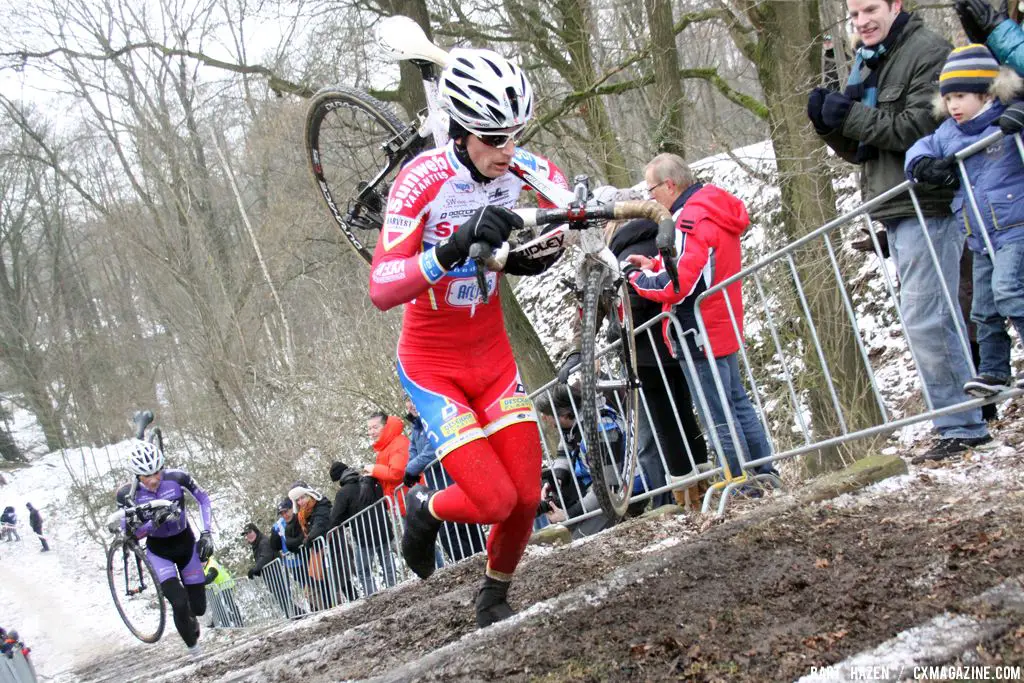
(355, 146)
(608, 378)
(136, 592)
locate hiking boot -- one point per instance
(421, 529)
(943, 448)
(491, 602)
(984, 386)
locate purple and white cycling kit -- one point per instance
(170, 546)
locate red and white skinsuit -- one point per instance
(454, 357)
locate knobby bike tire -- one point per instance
(613, 481)
(338, 166)
(116, 578)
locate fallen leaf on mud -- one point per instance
(712, 623)
(639, 650)
(821, 563)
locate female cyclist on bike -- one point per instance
(454, 357)
(170, 545)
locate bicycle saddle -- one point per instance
(400, 38)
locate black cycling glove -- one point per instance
(410, 480)
(164, 514)
(205, 546)
(490, 224)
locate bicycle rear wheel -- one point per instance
(355, 146)
(136, 592)
(608, 378)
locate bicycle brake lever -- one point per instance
(666, 242)
(480, 252)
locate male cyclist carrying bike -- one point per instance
(454, 357)
(170, 545)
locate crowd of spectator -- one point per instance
(884, 121)
(10, 643)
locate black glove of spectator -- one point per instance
(251, 573)
(490, 224)
(979, 18)
(868, 246)
(161, 515)
(938, 172)
(815, 101)
(570, 364)
(1012, 120)
(205, 546)
(835, 109)
(410, 480)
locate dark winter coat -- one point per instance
(315, 521)
(262, 552)
(639, 237)
(346, 500)
(293, 535)
(35, 520)
(9, 517)
(907, 81)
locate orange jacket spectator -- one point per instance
(392, 448)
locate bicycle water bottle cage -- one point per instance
(400, 38)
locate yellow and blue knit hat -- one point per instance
(971, 68)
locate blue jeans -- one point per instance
(752, 438)
(932, 329)
(364, 567)
(998, 296)
(649, 459)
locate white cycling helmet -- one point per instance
(145, 458)
(482, 91)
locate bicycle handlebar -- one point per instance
(576, 217)
(114, 520)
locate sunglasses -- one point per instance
(499, 139)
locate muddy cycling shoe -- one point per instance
(421, 529)
(491, 603)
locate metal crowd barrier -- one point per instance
(803, 403)
(17, 668)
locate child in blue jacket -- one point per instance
(974, 92)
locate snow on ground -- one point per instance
(59, 601)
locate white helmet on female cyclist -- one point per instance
(145, 458)
(482, 91)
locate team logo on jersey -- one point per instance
(515, 403)
(389, 271)
(466, 292)
(499, 195)
(394, 205)
(462, 186)
(396, 229)
(524, 158)
(457, 424)
(449, 411)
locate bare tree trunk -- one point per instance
(787, 58)
(668, 89)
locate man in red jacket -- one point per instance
(392, 449)
(709, 222)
